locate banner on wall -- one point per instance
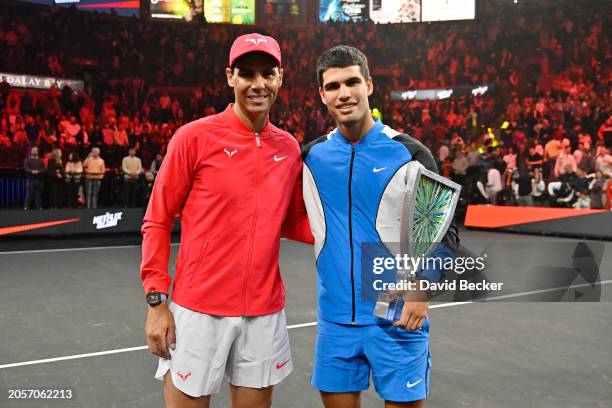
(40, 82)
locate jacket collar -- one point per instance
(367, 138)
(230, 117)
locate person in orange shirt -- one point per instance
(94, 169)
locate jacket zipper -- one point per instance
(255, 214)
(350, 216)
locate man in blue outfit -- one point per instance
(354, 182)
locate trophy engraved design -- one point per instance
(427, 211)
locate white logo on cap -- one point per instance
(255, 41)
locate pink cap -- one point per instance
(254, 43)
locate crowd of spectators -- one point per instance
(545, 122)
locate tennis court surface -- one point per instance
(84, 308)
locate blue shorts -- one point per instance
(399, 360)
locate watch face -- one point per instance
(153, 298)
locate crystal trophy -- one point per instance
(427, 211)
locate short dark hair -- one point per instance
(342, 56)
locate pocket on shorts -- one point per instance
(403, 347)
(266, 338)
(194, 333)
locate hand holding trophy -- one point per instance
(427, 211)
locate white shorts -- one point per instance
(251, 352)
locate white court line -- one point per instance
(73, 357)
(295, 326)
(520, 294)
(298, 326)
(535, 292)
(36, 251)
(117, 351)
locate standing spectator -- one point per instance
(596, 190)
(443, 153)
(35, 170)
(132, 170)
(535, 157)
(565, 159)
(473, 157)
(493, 186)
(94, 169)
(5, 89)
(539, 187)
(74, 174)
(551, 152)
(584, 158)
(603, 162)
(55, 176)
(510, 160)
(460, 165)
(523, 187)
(156, 164)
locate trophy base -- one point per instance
(389, 308)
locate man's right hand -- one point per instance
(160, 330)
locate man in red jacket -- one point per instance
(229, 177)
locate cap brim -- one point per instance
(238, 57)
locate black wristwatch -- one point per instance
(155, 298)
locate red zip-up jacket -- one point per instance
(231, 188)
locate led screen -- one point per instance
(343, 10)
(444, 10)
(395, 11)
